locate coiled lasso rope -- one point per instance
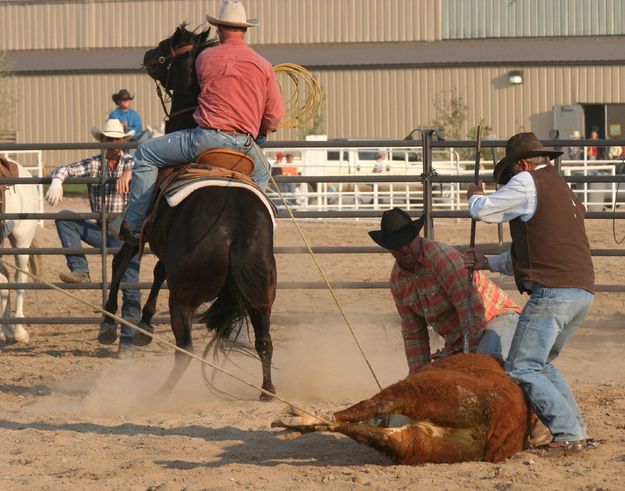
(304, 102)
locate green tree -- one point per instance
(316, 126)
(451, 114)
(8, 100)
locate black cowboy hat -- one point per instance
(397, 229)
(122, 95)
(521, 146)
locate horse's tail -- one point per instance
(34, 260)
(228, 313)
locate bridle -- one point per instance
(168, 59)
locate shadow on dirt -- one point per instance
(248, 447)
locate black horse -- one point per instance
(216, 245)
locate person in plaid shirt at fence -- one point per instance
(73, 231)
(429, 285)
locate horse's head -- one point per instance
(172, 62)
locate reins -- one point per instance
(161, 60)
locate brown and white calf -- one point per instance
(462, 408)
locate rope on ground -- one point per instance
(325, 280)
(305, 101)
(166, 342)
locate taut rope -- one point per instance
(325, 280)
(168, 343)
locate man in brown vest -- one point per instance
(550, 260)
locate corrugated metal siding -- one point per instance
(471, 19)
(358, 103)
(141, 23)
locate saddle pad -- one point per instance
(183, 189)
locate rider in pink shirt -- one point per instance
(239, 102)
(230, 76)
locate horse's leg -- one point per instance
(108, 329)
(21, 335)
(181, 321)
(149, 308)
(260, 318)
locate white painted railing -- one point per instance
(407, 162)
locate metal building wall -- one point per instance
(384, 103)
(140, 23)
(390, 103)
(471, 19)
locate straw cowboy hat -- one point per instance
(232, 13)
(122, 95)
(113, 129)
(521, 146)
(397, 229)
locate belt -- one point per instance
(230, 132)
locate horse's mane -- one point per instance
(200, 40)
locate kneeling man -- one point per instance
(429, 285)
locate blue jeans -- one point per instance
(71, 232)
(497, 336)
(548, 320)
(178, 148)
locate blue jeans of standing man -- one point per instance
(71, 232)
(548, 320)
(498, 335)
(179, 148)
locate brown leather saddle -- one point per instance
(7, 169)
(217, 163)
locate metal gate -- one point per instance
(428, 179)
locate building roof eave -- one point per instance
(491, 52)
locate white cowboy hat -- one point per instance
(232, 13)
(576, 134)
(113, 129)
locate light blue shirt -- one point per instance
(132, 118)
(517, 199)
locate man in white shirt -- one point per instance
(550, 259)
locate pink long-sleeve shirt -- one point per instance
(238, 90)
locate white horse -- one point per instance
(20, 198)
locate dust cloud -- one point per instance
(313, 364)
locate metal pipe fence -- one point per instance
(428, 178)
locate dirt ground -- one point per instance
(73, 416)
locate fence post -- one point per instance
(499, 225)
(103, 224)
(428, 227)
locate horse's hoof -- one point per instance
(140, 339)
(107, 333)
(266, 397)
(8, 335)
(21, 335)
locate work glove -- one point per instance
(54, 195)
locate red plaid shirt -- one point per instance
(435, 294)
